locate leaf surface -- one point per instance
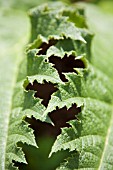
(11, 50)
(86, 83)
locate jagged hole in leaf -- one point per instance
(46, 134)
(43, 91)
(44, 46)
(59, 117)
(66, 64)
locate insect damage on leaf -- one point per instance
(48, 58)
(45, 46)
(61, 102)
(60, 118)
(43, 91)
(53, 53)
(44, 131)
(66, 64)
(63, 94)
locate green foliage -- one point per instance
(58, 56)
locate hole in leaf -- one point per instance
(44, 47)
(38, 158)
(43, 91)
(66, 64)
(59, 117)
(46, 134)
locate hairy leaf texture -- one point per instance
(58, 90)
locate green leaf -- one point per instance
(89, 135)
(59, 54)
(11, 54)
(40, 70)
(55, 25)
(102, 59)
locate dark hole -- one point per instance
(66, 64)
(59, 117)
(46, 134)
(43, 91)
(38, 158)
(44, 47)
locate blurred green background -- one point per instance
(26, 4)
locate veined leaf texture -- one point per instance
(60, 90)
